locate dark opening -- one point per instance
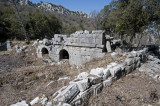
(45, 52)
(64, 54)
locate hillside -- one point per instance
(23, 11)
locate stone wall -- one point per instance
(81, 46)
(85, 85)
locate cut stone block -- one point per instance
(97, 88)
(82, 75)
(115, 70)
(95, 80)
(107, 82)
(129, 69)
(129, 61)
(82, 97)
(106, 73)
(97, 72)
(68, 94)
(82, 84)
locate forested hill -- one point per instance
(22, 19)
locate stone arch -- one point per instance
(63, 54)
(45, 52)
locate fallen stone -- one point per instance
(97, 72)
(68, 94)
(83, 75)
(115, 70)
(114, 55)
(82, 97)
(107, 82)
(49, 104)
(34, 101)
(82, 84)
(129, 61)
(47, 60)
(129, 69)
(95, 80)
(106, 73)
(97, 88)
(22, 103)
(66, 104)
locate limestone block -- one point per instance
(97, 72)
(86, 32)
(82, 84)
(107, 82)
(68, 94)
(49, 104)
(115, 70)
(108, 47)
(90, 40)
(82, 97)
(138, 64)
(95, 80)
(77, 102)
(83, 75)
(86, 94)
(106, 73)
(99, 41)
(134, 53)
(66, 104)
(129, 61)
(9, 46)
(137, 59)
(97, 88)
(114, 55)
(100, 46)
(151, 58)
(79, 32)
(129, 69)
(22, 103)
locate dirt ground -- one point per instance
(135, 89)
(23, 77)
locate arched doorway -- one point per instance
(45, 52)
(64, 54)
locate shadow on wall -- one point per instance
(63, 54)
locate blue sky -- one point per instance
(79, 5)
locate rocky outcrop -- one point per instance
(61, 10)
(21, 2)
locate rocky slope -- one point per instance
(51, 8)
(60, 9)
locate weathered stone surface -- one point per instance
(129, 69)
(68, 94)
(97, 88)
(106, 73)
(9, 46)
(129, 61)
(97, 72)
(107, 82)
(83, 97)
(95, 80)
(114, 55)
(82, 84)
(22, 103)
(115, 70)
(81, 46)
(83, 75)
(108, 46)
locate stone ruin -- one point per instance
(79, 48)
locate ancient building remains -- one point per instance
(79, 48)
